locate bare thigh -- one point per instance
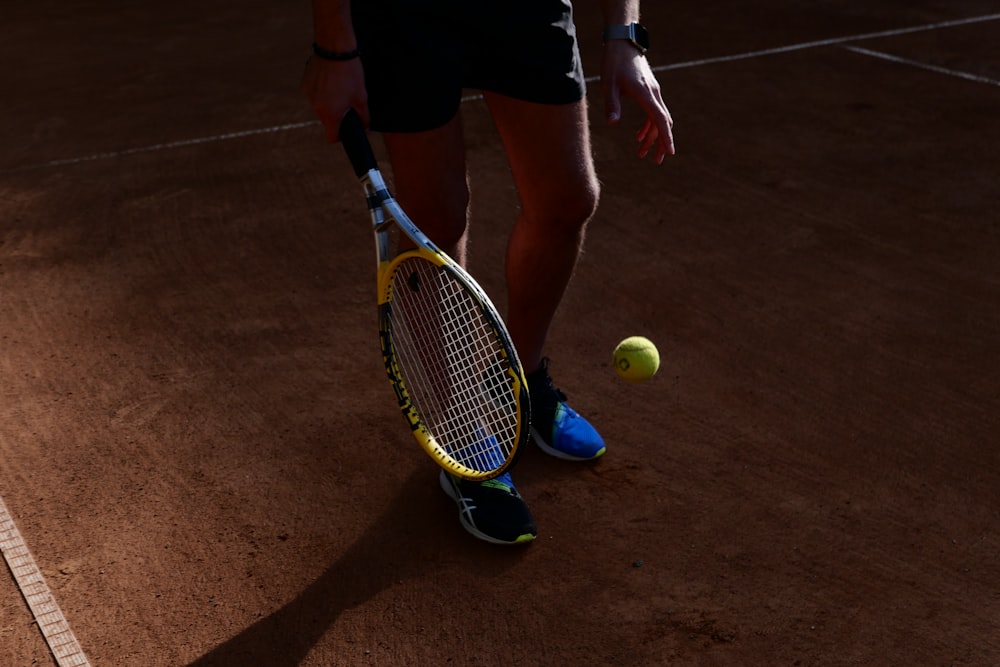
(429, 180)
(549, 152)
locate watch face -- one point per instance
(641, 36)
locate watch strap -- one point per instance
(632, 32)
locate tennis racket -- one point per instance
(447, 352)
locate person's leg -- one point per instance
(548, 147)
(429, 180)
(413, 67)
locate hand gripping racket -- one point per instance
(447, 352)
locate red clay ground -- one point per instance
(192, 405)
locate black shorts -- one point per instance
(419, 55)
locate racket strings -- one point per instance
(453, 365)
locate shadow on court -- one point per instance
(395, 548)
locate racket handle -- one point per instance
(359, 151)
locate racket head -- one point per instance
(448, 355)
(451, 363)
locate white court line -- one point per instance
(164, 146)
(836, 41)
(916, 63)
(53, 625)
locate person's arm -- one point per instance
(625, 71)
(334, 86)
(332, 26)
(620, 12)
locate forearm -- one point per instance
(619, 12)
(332, 27)
(334, 83)
(626, 72)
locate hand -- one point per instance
(333, 87)
(626, 72)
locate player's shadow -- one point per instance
(405, 541)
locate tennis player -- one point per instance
(403, 66)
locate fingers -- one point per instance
(656, 130)
(612, 103)
(331, 89)
(644, 130)
(647, 137)
(666, 137)
(658, 117)
(627, 74)
(332, 131)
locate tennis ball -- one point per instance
(636, 359)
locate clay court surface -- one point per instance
(199, 447)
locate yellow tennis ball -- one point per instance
(636, 359)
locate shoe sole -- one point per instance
(452, 493)
(552, 451)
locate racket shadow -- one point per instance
(406, 541)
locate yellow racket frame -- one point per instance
(386, 214)
(513, 368)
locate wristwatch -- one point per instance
(633, 32)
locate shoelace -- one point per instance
(546, 382)
(497, 484)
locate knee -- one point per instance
(443, 218)
(568, 211)
(587, 202)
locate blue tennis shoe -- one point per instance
(558, 429)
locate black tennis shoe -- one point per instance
(492, 510)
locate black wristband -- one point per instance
(334, 55)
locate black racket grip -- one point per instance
(359, 151)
